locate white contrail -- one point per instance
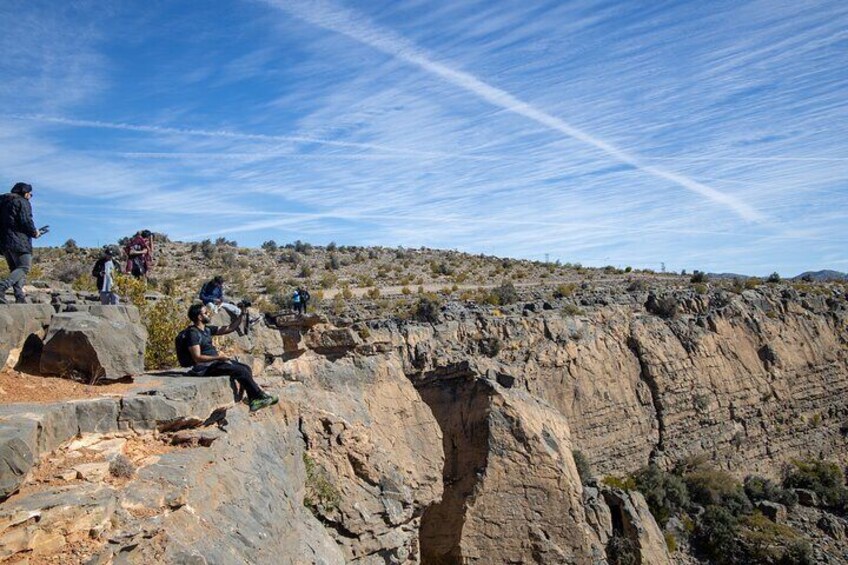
(778, 159)
(329, 16)
(230, 135)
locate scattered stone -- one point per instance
(807, 497)
(773, 511)
(92, 472)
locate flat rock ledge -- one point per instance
(28, 431)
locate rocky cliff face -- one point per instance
(750, 380)
(452, 442)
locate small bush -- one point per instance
(665, 493)
(622, 551)
(572, 310)
(762, 541)
(321, 495)
(664, 306)
(69, 271)
(760, 488)
(708, 486)
(164, 319)
(565, 290)
(623, 483)
(773, 278)
(715, 535)
(505, 294)
(824, 478)
(752, 283)
(584, 468)
(428, 309)
(698, 277)
(121, 467)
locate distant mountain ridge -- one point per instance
(817, 276)
(823, 275)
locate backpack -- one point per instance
(97, 270)
(181, 344)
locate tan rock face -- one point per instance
(751, 380)
(510, 481)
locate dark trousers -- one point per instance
(238, 371)
(19, 266)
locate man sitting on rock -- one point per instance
(197, 339)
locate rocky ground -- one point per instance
(434, 427)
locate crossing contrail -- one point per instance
(350, 24)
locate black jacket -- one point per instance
(16, 226)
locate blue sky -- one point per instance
(708, 135)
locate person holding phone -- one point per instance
(16, 232)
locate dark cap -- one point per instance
(21, 188)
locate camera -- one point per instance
(245, 304)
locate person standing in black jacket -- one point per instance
(16, 232)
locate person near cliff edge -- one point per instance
(195, 350)
(16, 232)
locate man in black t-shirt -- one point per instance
(208, 362)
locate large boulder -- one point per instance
(105, 343)
(17, 323)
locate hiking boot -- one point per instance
(260, 403)
(254, 320)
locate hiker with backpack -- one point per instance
(196, 350)
(304, 296)
(295, 301)
(104, 270)
(139, 250)
(16, 232)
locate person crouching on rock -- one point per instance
(212, 295)
(197, 339)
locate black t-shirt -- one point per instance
(203, 338)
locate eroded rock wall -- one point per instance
(750, 380)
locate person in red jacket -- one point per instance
(139, 252)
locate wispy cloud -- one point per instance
(350, 24)
(504, 128)
(223, 134)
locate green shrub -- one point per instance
(505, 294)
(824, 478)
(773, 278)
(164, 319)
(760, 488)
(564, 290)
(716, 533)
(321, 495)
(665, 493)
(428, 309)
(584, 468)
(709, 486)
(698, 277)
(623, 483)
(572, 310)
(622, 551)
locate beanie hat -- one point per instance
(21, 188)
